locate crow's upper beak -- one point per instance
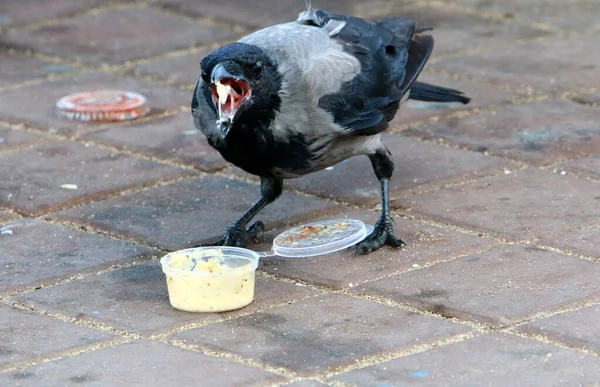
(229, 92)
(219, 72)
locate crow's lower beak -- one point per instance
(224, 124)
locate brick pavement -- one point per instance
(498, 201)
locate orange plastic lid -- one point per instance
(102, 105)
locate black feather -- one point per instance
(257, 151)
(391, 58)
(431, 93)
(418, 54)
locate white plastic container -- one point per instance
(209, 279)
(218, 279)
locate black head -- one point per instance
(241, 84)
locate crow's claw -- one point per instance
(382, 234)
(237, 236)
(255, 229)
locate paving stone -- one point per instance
(418, 164)
(536, 132)
(10, 138)
(37, 252)
(40, 100)
(496, 359)
(266, 13)
(175, 138)
(455, 31)
(5, 216)
(577, 328)
(588, 165)
(182, 69)
(28, 11)
(189, 212)
(143, 363)
(16, 67)
(552, 64)
(426, 244)
(136, 299)
(321, 333)
(587, 98)
(26, 335)
(504, 286)
(417, 111)
(582, 240)
(527, 204)
(577, 15)
(307, 383)
(118, 35)
(34, 186)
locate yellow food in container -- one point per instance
(210, 279)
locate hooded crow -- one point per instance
(298, 97)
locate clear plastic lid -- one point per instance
(318, 238)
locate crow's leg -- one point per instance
(237, 235)
(383, 165)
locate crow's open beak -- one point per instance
(229, 92)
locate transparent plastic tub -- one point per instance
(218, 279)
(210, 279)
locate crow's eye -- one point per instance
(258, 67)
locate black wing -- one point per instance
(431, 93)
(391, 58)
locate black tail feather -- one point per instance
(421, 91)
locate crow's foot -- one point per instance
(237, 235)
(382, 234)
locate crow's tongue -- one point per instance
(230, 93)
(227, 106)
